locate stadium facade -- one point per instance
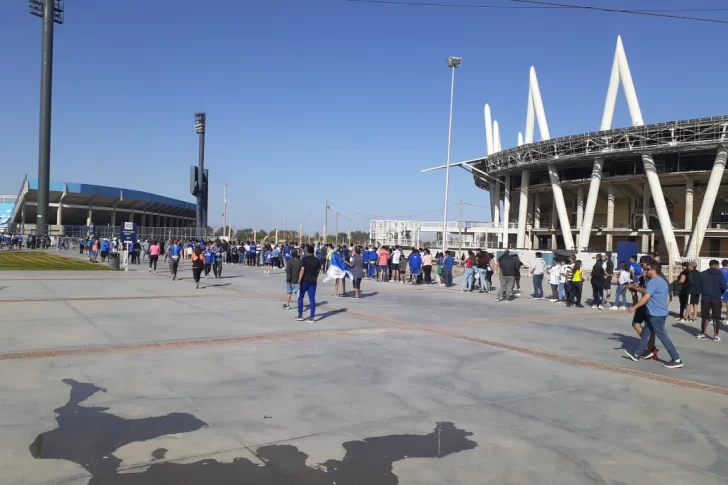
(659, 185)
(76, 207)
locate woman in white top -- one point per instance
(554, 277)
(623, 280)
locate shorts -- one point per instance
(694, 299)
(640, 316)
(104, 254)
(725, 296)
(291, 288)
(357, 283)
(415, 271)
(382, 267)
(608, 284)
(711, 308)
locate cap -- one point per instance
(646, 260)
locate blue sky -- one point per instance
(309, 100)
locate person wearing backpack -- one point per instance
(693, 287)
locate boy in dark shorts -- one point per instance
(640, 314)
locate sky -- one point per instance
(315, 100)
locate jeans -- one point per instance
(447, 276)
(310, 289)
(371, 270)
(657, 325)
(506, 287)
(538, 286)
(597, 294)
(468, 278)
(562, 294)
(482, 275)
(622, 293)
(575, 292)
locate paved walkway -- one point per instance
(131, 378)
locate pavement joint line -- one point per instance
(202, 342)
(106, 298)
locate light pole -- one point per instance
(201, 214)
(51, 11)
(224, 207)
(285, 206)
(453, 63)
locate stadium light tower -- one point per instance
(51, 11)
(201, 215)
(453, 63)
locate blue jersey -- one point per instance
(175, 251)
(276, 253)
(208, 256)
(637, 269)
(252, 249)
(266, 257)
(287, 252)
(415, 261)
(318, 253)
(218, 254)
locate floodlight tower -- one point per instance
(453, 63)
(201, 215)
(51, 11)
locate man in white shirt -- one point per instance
(396, 255)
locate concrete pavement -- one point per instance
(131, 378)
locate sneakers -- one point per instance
(649, 354)
(701, 336)
(299, 318)
(286, 307)
(634, 356)
(615, 307)
(197, 285)
(716, 338)
(674, 364)
(497, 300)
(601, 307)
(310, 320)
(594, 307)
(150, 270)
(682, 320)
(551, 300)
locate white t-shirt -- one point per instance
(395, 256)
(555, 274)
(624, 277)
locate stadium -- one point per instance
(78, 209)
(657, 185)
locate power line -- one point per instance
(535, 4)
(404, 216)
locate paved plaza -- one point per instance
(130, 378)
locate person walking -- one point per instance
(537, 271)
(655, 300)
(154, 250)
(608, 267)
(198, 264)
(620, 299)
(682, 280)
(597, 281)
(293, 268)
(307, 279)
(712, 288)
(174, 252)
(693, 286)
(508, 269)
(209, 259)
(447, 264)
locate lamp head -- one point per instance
(200, 123)
(454, 62)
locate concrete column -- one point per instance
(610, 216)
(22, 219)
(688, 209)
(113, 217)
(536, 218)
(506, 209)
(668, 235)
(59, 214)
(523, 211)
(496, 213)
(646, 204)
(579, 206)
(561, 207)
(491, 193)
(706, 209)
(554, 219)
(143, 221)
(89, 217)
(591, 203)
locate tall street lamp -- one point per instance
(453, 63)
(201, 213)
(224, 208)
(51, 11)
(285, 206)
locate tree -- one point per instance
(261, 236)
(220, 232)
(244, 234)
(359, 237)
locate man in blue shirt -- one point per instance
(175, 254)
(655, 299)
(217, 253)
(447, 263)
(209, 259)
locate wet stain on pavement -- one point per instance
(89, 436)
